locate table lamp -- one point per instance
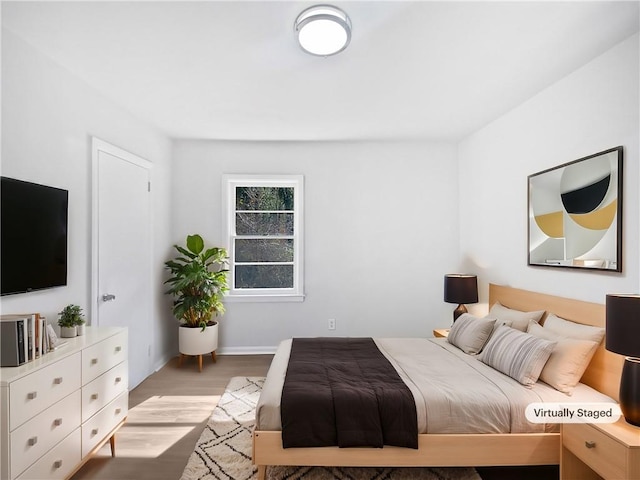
(623, 337)
(460, 288)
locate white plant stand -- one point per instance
(195, 342)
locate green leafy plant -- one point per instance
(198, 282)
(71, 316)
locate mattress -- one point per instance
(454, 392)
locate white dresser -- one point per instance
(57, 410)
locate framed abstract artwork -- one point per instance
(575, 214)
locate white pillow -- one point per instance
(519, 320)
(470, 333)
(568, 360)
(517, 354)
(575, 330)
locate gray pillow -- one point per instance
(470, 333)
(519, 320)
(568, 361)
(569, 329)
(517, 354)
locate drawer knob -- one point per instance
(57, 422)
(57, 464)
(94, 396)
(94, 361)
(118, 379)
(94, 431)
(57, 380)
(32, 395)
(118, 410)
(590, 444)
(32, 441)
(118, 348)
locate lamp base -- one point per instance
(459, 311)
(630, 391)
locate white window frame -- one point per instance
(229, 184)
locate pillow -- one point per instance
(575, 330)
(568, 360)
(519, 320)
(517, 354)
(470, 333)
(499, 323)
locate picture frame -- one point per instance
(575, 214)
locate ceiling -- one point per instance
(233, 70)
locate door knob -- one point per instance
(107, 297)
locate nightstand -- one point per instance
(602, 450)
(441, 332)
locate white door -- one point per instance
(121, 240)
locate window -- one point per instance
(264, 229)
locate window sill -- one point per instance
(263, 298)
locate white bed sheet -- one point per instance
(454, 392)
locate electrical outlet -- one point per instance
(332, 324)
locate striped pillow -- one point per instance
(517, 354)
(470, 333)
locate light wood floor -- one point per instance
(167, 413)
(169, 410)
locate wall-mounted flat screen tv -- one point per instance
(33, 236)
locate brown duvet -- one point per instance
(344, 391)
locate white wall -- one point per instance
(593, 109)
(384, 221)
(48, 118)
(381, 231)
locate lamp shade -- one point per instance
(623, 324)
(623, 337)
(460, 288)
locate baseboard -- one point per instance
(257, 350)
(223, 351)
(162, 362)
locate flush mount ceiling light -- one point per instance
(323, 30)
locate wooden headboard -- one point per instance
(605, 368)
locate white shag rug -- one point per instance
(223, 451)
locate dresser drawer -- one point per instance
(103, 389)
(602, 453)
(59, 462)
(35, 392)
(45, 430)
(97, 428)
(103, 356)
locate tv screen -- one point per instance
(33, 236)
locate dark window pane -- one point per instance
(264, 276)
(264, 250)
(264, 223)
(264, 198)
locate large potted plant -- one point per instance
(198, 283)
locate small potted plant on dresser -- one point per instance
(70, 321)
(80, 321)
(198, 283)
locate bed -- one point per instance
(461, 449)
